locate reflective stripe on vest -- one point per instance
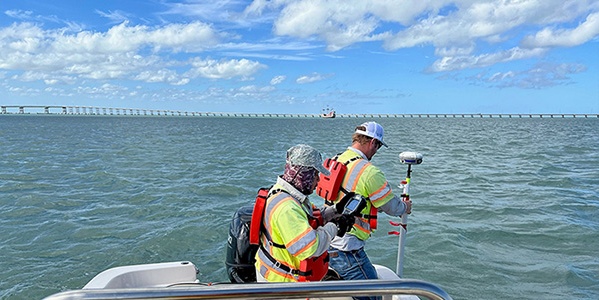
(354, 170)
(381, 193)
(362, 228)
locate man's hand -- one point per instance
(344, 224)
(408, 203)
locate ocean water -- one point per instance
(502, 208)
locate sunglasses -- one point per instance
(378, 144)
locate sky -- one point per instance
(303, 56)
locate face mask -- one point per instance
(300, 177)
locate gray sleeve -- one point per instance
(395, 207)
(326, 233)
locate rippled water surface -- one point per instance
(503, 208)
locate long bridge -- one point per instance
(111, 111)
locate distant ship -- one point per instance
(328, 113)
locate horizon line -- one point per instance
(112, 111)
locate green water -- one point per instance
(503, 208)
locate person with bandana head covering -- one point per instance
(296, 235)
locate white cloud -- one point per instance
(28, 15)
(193, 37)
(224, 69)
(445, 23)
(547, 37)
(19, 14)
(540, 76)
(252, 89)
(49, 79)
(278, 79)
(116, 16)
(339, 23)
(123, 38)
(312, 78)
(119, 53)
(470, 21)
(455, 51)
(455, 28)
(213, 11)
(163, 75)
(499, 76)
(105, 90)
(453, 63)
(409, 11)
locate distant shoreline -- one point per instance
(317, 116)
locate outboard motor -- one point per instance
(240, 254)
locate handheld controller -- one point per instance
(354, 205)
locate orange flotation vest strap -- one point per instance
(371, 217)
(258, 215)
(311, 269)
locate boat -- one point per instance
(328, 113)
(178, 280)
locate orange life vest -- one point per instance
(329, 186)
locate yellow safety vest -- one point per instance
(367, 180)
(290, 239)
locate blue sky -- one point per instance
(299, 56)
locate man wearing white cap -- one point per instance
(347, 255)
(295, 240)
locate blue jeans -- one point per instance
(352, 265)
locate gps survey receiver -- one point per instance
(410, 158)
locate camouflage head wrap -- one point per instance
(300, 177)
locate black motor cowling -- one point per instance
(240, 254)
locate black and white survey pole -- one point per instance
(408, 158)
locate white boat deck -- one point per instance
(177, 280)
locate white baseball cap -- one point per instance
(373, 130)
